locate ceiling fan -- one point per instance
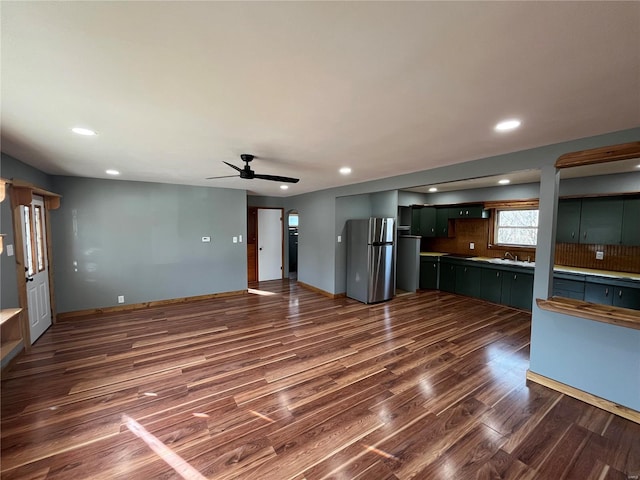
(249, 174)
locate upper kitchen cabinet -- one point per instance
(442, 221)
(468, 211)
(568, 224)
(631, 221)
(601, 221)
(423, 221)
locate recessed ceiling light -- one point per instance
(507, 125)
(112, 172)
(504, 181)
(345, 170)
(284, 187)
(433, 189)
(83, 131)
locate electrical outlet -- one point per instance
(206, 239)
(120, 298)
(235, 239)
(599, 255)
(339, 238)
(472, 246)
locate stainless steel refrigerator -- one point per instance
(371, 259)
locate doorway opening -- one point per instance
(292, 223)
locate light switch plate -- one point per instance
(235, 239)
(9, 250)
(599, 255)
(472, 246)
(240, 238)
(339, 238)
(206, 239)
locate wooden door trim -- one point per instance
(21, 193)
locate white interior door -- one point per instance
(34, 242)
(269, 244)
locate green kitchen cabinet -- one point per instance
(568, 288)
(601, 221)
(468, 211)
(631, 221)
(568, 221)
(601, 293)
(626, 297)
(447, 276)
(428, 273)
(517, 290)
(423, 221)
(415, 220)
(428, 221)
(491, 284)
(612, 294)
(442, 221)
(468, 280)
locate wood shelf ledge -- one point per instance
(623, 317)
(8, 313)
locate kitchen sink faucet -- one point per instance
(508, 254)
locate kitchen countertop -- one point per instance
(556, 268)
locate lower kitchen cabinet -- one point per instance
(626, 297)
(610, 294)
(598, 293)
(568, 288)
(520, 288)
(428, 273)
(468, 280)
(491, 285)
(447, 277)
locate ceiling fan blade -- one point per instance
(276, 178)
(233, 166)
(223, 176)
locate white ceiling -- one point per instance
(175, 88)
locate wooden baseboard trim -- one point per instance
(320, 291)
(611, 407)
(141, 306)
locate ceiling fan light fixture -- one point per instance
(345, 170)
(87, 132)
(507, 125)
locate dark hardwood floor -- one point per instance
(288, 384)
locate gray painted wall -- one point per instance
(11, 168)
(356, 206)
(316, 239)
(143, 241)
(384, 204)
(406, 199)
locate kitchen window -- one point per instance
(517, 227)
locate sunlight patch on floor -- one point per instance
(260, 292)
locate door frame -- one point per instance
(282, 235)
(21, 193)
(254, 210)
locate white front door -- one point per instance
(269, 244)
(34, 241)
